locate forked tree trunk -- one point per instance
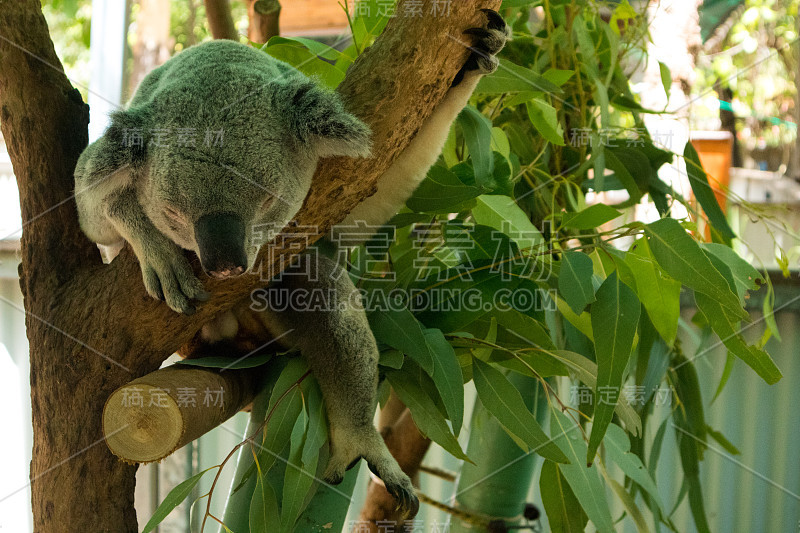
(91, 327)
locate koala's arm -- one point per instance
(109, 211)
(166, 273)
(398, 183)
(338, 344)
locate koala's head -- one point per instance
(248, 170)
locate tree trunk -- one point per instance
(92, 327)
(220, 20)
(153, 43)
(264, 18)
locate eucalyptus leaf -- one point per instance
(616, 313)
(423, 410)
(575, 280)
(173, 499)
(706, 196)
(682, 258)
(505, 403)
(564, 511)
(590, 218)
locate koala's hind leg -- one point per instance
(334, 336)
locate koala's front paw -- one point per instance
(349, 447)
(169, 277)
(489, 40)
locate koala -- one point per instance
(159, 180)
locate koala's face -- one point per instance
(219, 205)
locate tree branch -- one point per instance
(393, 86)
(264, 17)
(409, 447)
(220, 20)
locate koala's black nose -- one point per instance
(220, 239)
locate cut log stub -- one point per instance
(151, 417)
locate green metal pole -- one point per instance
(496, 487)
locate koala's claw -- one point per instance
(488, 42)
(168, 277)
(403, 493)
(349, 447)
(496, 21)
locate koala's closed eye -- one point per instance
(175, 216)
(267, 203)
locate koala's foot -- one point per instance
(488, 42)
(169, 277)
(346, 450)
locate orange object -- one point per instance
(313, 17)
(715, 149)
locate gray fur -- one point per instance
(276, 124)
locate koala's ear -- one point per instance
(318, 118)
(123, 145)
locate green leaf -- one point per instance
(618, 448)
(564, 511)
(505, 403)
(391, 358)
(745, 276)
(666, 78)
(523, 327)
(559, 77)
(477, 131)
(448, 377)
(659, 293)
(299, 477)
(590, 218)
(441, 192)
(317, 434)
(423, 409)
(500, 142)
(316, 47)
(503, 214)
(517, 3)
(284, 414)
(173, 499)
(583, 480)
(586, 47)
(306, 62)
(400, 330)
(682, 258)
(616, 313)
(575, 281)
(722, 441)
(726, 326)
(511, 78)
(690, 461)
(544, 118)
(627, 165)
(630, 506)
(706, 197)
(586, 372)
(264, 511)
(726, 374)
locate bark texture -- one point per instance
(220, 20)
(92, 327)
